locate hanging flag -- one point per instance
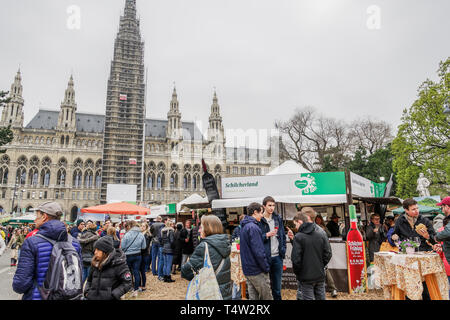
(133, 161)
(123, 97)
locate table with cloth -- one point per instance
(401, 275)
(237, 275)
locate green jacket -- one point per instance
(219, 248)
(444, 236)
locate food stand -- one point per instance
(327, 192)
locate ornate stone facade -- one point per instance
(60, 154)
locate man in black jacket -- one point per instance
(186, 238)
(311, 252)
(109, 278)
(405, 226)
(375, 234)
(157, 263)
(333, 225)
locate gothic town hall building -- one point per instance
(70, 157)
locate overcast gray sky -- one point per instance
(266, 57)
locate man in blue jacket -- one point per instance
(253, 255)
(274, 239)
(36, 251)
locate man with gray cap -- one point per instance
(36, 251)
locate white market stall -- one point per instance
(194, 201)
(330, 191)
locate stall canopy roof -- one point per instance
(304, 200)
(117, 208)
(390, 200)
(288, 167)
(194, 201)
(422, 210)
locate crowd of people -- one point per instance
(116, 258)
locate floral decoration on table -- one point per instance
(408, 246)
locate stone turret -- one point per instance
(13, 111)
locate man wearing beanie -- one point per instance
(109, 278)
(80, 225)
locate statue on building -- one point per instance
(422, 186)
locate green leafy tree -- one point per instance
(422, 143)
(6, 135)
(373, 166)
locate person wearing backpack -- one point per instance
(109, 278)
(219, 248)
(36, 256)
(132, 243)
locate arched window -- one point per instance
(67, 140)
(173, 181)
(88, 179)
(187, 181)
(45, 177)
(77, 176)
(160, 181)
(196, 182)
(62, 140)
(33, 177)
(21, 176)
(4, 175)
(150, 180)
(98, 179)
(61, 178)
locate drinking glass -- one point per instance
(417, 240)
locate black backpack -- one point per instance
(63, 280)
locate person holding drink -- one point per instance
(274, 239)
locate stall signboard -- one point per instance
(366, 188)
(320, 183)
(356, 256)
(164, 210)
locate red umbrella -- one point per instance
(122, 208)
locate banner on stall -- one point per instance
(320, 183)
(168, 209)
(366, 188)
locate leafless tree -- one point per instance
(309, 138)
(371, 134)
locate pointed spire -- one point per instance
(174, 93)
(18, 75)
(69, 97)
(130, 9)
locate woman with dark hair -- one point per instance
(177, 251)
(321, 223)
